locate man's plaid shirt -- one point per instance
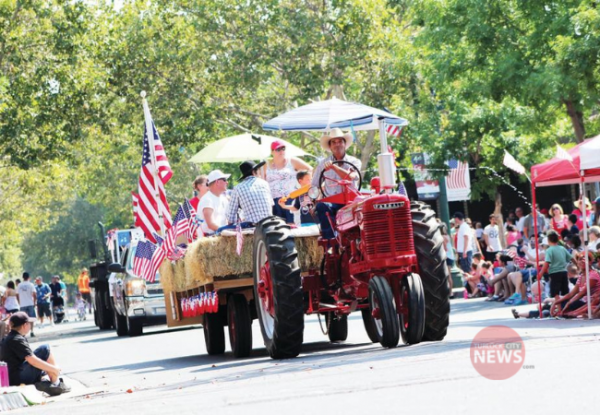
(253, 196)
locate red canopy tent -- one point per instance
(556, 172)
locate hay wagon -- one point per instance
(212, 268)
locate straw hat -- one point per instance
(588, 205)
(335, 133)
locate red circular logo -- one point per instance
(497, 352)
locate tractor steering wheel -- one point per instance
(341, 182)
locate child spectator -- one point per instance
(301, 206)
(572, 224)
(575, 302)
(555, 264)
(593, 235)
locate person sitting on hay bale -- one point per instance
(252, 195)
(213, 205)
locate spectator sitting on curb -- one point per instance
(575, 302)
(25, 366)
(546, 305)
(499, 281)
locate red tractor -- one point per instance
(387, 261)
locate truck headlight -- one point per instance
(135, 287)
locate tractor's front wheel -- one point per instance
(433, 270)
(383, 312)
(411, 309)
(278, 288)
(337, 327)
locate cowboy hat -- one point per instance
(248, 167)
(335, 133)
(588, 205)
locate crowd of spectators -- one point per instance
(500, 262)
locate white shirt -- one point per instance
(521, 224)
(218, 204)
(26, 290)
(464, 230)
(493, 238)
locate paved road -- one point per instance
(169, 372)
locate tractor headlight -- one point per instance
(313, 192)
(135, 287)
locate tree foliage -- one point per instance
(473, 77)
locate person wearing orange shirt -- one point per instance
(83, 284)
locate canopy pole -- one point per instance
(585, 246)
(537, 248)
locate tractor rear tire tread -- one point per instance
(433, 271)
(288, 299)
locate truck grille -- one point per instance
(388, 232)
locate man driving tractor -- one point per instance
(337, 143)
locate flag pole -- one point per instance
(150, 133)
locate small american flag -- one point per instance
(393, 130)
(456, 177)
(180, 227)
(510, 162)
(240, 239)
(563, 154)
(143, 258)
(177, 253)
(190, 214)
(134, 201)
(158, 257)
(402, 189)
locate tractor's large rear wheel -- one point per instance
(278, 288)
(412, 309)
(433, 270)
(383, 312)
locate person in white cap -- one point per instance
(213, 205)
(337, 143)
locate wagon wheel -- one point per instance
(240, 325)
(342, 182)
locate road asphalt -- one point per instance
(168, 371)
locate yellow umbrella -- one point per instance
(243, 147)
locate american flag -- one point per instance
(190, 214)
(151, 207)
(239, 239)
(158, 257)
(510, 162)
(180, 226)
(394, 130)
(456, 177)
(143, 258)
(402, 189)
(134, 199)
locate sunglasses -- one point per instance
(222, 180)
(280, 149)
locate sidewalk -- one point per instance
(15, 397)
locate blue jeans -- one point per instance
(322, 209)
(29, 310)
(29, 374)
(243, 225)
(465, 263)
(281, 212)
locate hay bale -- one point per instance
(208, 258)
(166, 276)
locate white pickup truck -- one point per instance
(135, 302)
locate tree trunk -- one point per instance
(500, 219)
(576, 119)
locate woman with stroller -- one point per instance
(58, 302)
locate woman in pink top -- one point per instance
(281, 175)
(512, 235)
(558, 219)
